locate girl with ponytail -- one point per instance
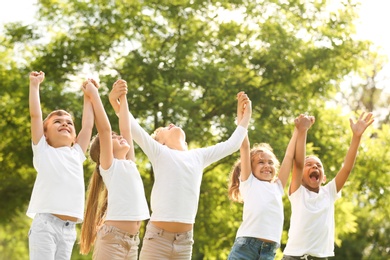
(116, 203)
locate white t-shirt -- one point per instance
(126, 195)
(312, 221)
(263, 209)
(178, 174)
(59, 185)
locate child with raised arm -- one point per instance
(57, 200)
(311, 234)
(113, 220)
(178, 175)
(254, 181)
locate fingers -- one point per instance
(120, 83)
(94, 83)
(369, 118)
(239, 94)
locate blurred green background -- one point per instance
(184, 62)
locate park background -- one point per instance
(184, 62)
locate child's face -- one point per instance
(119, 145)
(263, 166)
(313, 174)
(170, 135)
(60, 131)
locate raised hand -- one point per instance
(242, 103)
(304, 122)
(119, 88)
(90, 87)
(361, 124)
(37, 77)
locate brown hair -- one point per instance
(234, 182)
(58, 112)
(96, 205)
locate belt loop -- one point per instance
(305, 257)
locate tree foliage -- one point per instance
(184, 62)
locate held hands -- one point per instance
(36, 78)
(90, 87)
(361, 124)
(244, 106)
(304, 122)
(119, 88)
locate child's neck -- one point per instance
(316, 189)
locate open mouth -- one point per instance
(314, 176)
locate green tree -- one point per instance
(184, 62)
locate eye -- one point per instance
(70, 123)
(56, 121)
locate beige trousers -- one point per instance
(159, 244)
(115, 244)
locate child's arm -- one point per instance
(285, 167)
(114, 95)
(245, 158)
(102, 124)
(124, 118)
(358, 129)
(302, 123)
(87, 121)
(244, 110)
(36, 78)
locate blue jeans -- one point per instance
(250, 248)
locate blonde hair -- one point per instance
(155, 133)
(234, 182)
(96, 205)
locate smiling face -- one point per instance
(264, 165)
(120, 146)
(171, 136)
(313, 174)
(59, 129)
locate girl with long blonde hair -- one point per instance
(116, 203)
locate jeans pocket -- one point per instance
(183, 242)
(150, 235)
(40, 225)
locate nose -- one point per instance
(64, 123)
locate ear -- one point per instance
(324, 179)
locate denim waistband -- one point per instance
(108, 228)
(257, 242)
(53, 219)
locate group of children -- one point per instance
(116, 203)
